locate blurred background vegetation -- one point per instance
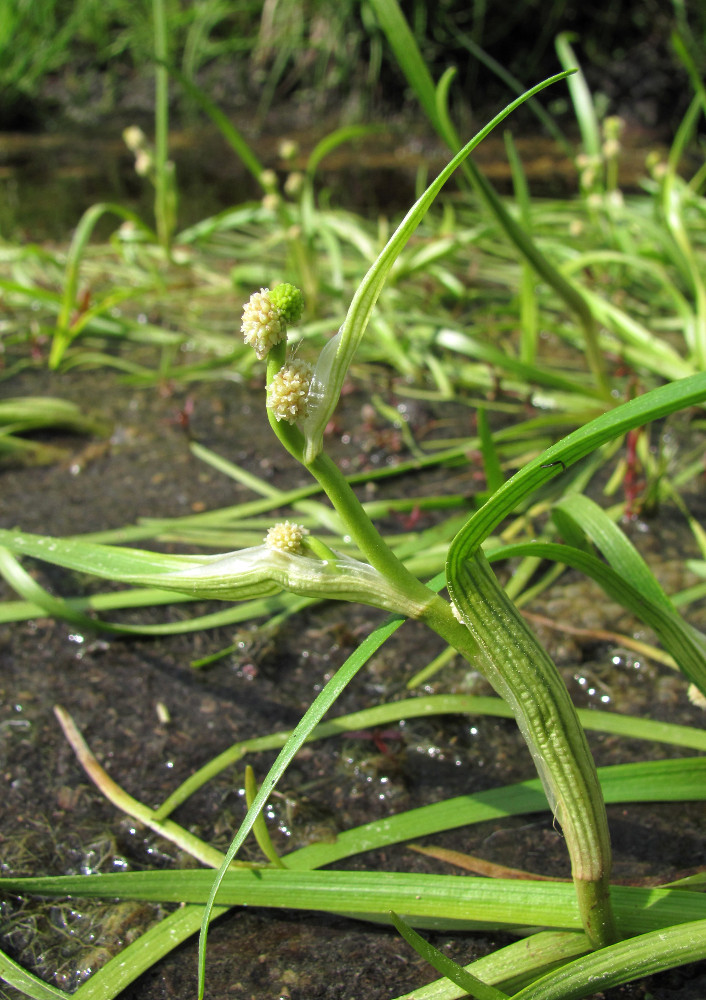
(69, 63)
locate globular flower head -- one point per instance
(263, 324)
(134, 138)
(285, 537)
(287, 392)
(289, 300)
(696, 697)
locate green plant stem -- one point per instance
(495, 637)
(161, 125)
(367, 537)
(522, 672)
(348, 506)
(193, 845)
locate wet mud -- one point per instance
(54, 821)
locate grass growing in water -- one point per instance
(485, 627)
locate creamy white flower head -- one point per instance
(287, 392)
(285, 537)
(134, 138)
(263, 325)
(143, 162)
(696, 697)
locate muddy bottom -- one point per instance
(152, 719)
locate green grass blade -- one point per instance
(473, 986)
(514, 965)
(479, 350)
(407, 54)
(406, 50)
(14, 975)
(491, 463)
(425, 900)
(336, 357)
(527, 291)
(577, 512)
(411, 708)
(140, 955)
(581, 97)
(309, 720)
(643, 409)
(84, 230)
(666, 780)
(224, 125)
(620, 963)
(262, 834)
(333, 140)
(686, 645)
(107, 561)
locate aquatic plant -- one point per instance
(479, 620)
(342, 555)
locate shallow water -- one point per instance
(48, 180)
(54, 821)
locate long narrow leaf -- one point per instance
(425, 900)
(475, 987)
(643, 409)
(14, 975)
(620, 963)
(338, 353)
(685, 643)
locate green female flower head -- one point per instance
(287, 392)
(289, 300)
(266, 315)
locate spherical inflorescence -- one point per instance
(263, 324)
(289, 300)
(288, 390)
(286, 537)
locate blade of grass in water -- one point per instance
(473, 986)
(13, 974)
(426, 900)
(84, 230)
(382, 715)
(653, 952)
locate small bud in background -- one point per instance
(268, 180)
(138, 144)
(270, 202)
(288, 391)
(134, 138)
(286, 537)
(613, 128)
(288, 149)
(696, 697)
(656, 165)
(263, 324)
(294, 184)
(143, 163)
